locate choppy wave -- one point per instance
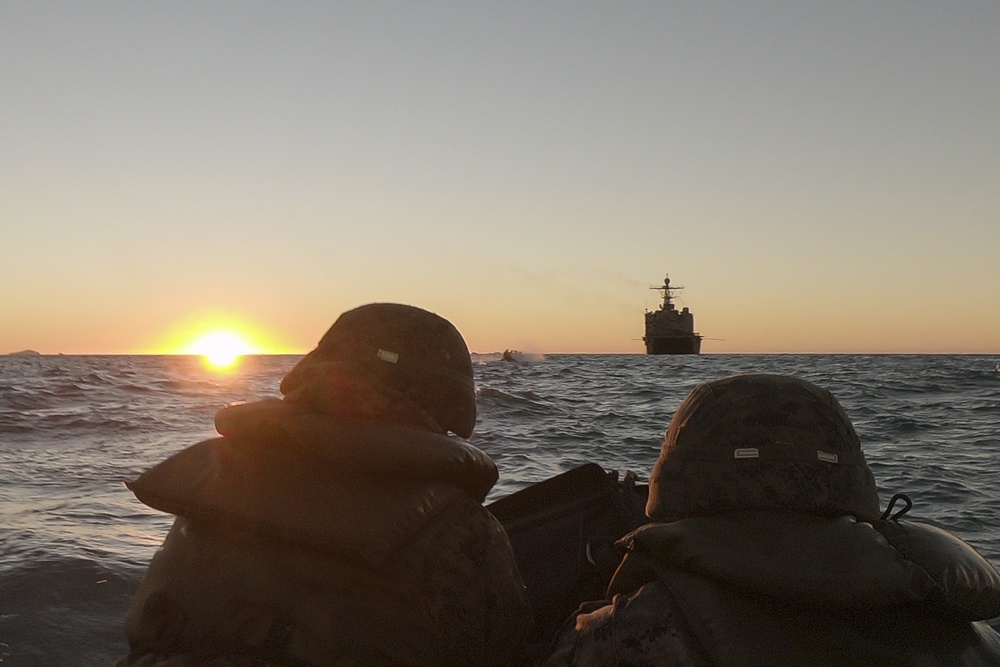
(74, 541)
(63, 611)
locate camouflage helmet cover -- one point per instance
(410, 351)
(758, 441)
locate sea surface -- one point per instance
(74, 542)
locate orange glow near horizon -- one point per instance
(221, 349)
(219, 339)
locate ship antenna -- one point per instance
(668, 293)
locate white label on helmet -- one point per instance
(391, 357)
(829, 457)
(746, 453)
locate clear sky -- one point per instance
(820, 176)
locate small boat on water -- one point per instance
(668, 330)
(517, 356)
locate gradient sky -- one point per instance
(820, 176)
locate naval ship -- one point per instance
(668, 330)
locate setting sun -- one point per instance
(221, 349)
(219, 338)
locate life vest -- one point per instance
(301, 538)
(763, 588)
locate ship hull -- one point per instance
(673, 344)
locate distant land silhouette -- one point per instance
(26, 353)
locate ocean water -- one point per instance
(74, 542)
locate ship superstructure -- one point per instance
(668, 330)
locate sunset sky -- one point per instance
(820, 176)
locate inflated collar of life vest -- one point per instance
(810, 561)
(334, 483)
(364, 445)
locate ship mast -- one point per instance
(668, 293)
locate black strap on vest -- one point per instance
(888, 510)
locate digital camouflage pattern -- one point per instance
(214, 595)
(761, 441)
(643, 629)
(410, 355)
(764, 552)
(294, 545)
(767, 588)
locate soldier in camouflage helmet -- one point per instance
(761, 442)
(340, 525)
(768, 548)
